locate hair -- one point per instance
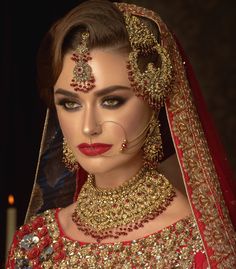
(106, 27)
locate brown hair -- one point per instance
(106, 26)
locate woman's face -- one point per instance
(96, 123)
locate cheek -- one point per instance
(135, 118)
(68, 125)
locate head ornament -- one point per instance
(83, 79)
(152, 83)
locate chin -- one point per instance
(95, 165)
(100, 165)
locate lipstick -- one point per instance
(93, 149)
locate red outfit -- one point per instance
(42, 243)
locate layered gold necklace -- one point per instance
(111, 213)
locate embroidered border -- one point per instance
(200, 175)
(199, 172)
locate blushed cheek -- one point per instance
(136, 119)
(134, 128)
(68, 127)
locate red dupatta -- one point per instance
(225, 174)
(205, 170)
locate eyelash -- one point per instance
(118, 100)
(65, 102)
(75, 105)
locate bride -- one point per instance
(139, 185)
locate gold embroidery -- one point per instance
(173, 247)
(203, 183)
(206, 194)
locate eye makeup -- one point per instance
(112, 101)
(69, 104)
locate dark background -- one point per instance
(22, 113)
(206, 30)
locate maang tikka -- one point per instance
(83, 78)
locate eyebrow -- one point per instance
(102, 92)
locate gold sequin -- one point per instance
(201, 177)
(173, 247)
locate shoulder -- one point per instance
(37, 224)
(33, 239)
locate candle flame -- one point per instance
(11, 199)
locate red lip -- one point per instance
(93, 149)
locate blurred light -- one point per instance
(11, 199)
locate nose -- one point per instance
(91, 126)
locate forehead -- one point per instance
(108, 67)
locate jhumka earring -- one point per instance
(69, 158)
(83, 79)
(152, 148)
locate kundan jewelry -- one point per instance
(152, 148)
(152, 83)
(104, 213)
(83, 79)
(69, 158)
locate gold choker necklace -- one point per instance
(103, 213)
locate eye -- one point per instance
(113, 101)
(69, 104)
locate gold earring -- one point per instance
(123, 145)
(69, 158)
(152, 148)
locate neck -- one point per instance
(117, 176)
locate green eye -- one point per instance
(113, 102)
(71, 105)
